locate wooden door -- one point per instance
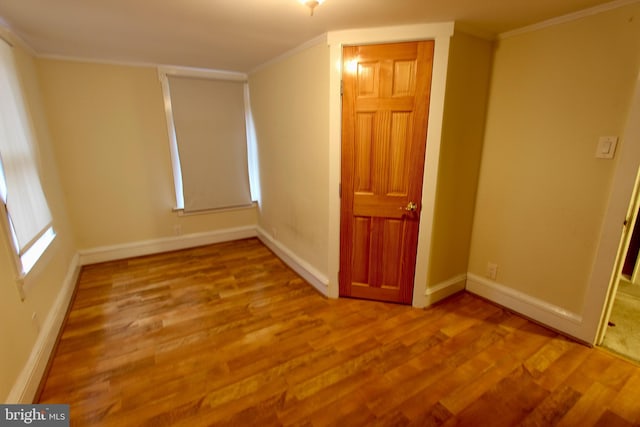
(385, 107)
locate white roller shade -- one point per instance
(209, 121)
(24, 199)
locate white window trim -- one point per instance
(31, 256)
(182, 212)
(163, 73)
(32, 260)
(26, 260)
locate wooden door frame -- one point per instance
(441, 34)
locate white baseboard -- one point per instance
(445, 289)
(148, 247)
(26, 386)
(538, 310)
(297, 264)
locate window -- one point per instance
(211, 137)
(25, 212)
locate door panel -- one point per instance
(361, 246)
(392, 242)
(385, 110)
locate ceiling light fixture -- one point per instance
(311, 4)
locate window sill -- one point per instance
(31, 264)
(181, 212)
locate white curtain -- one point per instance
(210, 127)
(24, 199)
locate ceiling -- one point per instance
(239, 35)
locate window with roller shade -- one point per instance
(27, 218)
(209, 126)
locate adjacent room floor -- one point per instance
(623, 332)
(228, 335)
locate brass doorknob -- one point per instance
(411, 207)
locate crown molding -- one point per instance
(566, 18)
(89, 60)
(13, 39)
(461, 27)
(300, 48)
(174, 70)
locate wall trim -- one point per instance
(425, 31)
(463, 27)
(167, 244)
(205, 73)
(300, 48)
(566, 18)
(536, 309)
(297, 264)
(98, 61)
(26, 386)
(445, 289)
(10, 36)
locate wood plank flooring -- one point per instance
(228, 335)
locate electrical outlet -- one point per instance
(274, 232)
(492, 270)
(177, 229)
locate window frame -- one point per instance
(25, 260)
(163, 74)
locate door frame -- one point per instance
(441, 35)
(625, 240)
(602, 282)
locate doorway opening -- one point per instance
(621, 332)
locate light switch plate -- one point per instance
(606, 147)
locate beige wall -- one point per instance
(17, 332)
(542, 193)
(290, 104)
(460, 150)
(110, 135)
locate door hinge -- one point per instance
(341, 87)
(340, 190)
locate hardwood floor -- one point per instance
(228, 335)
